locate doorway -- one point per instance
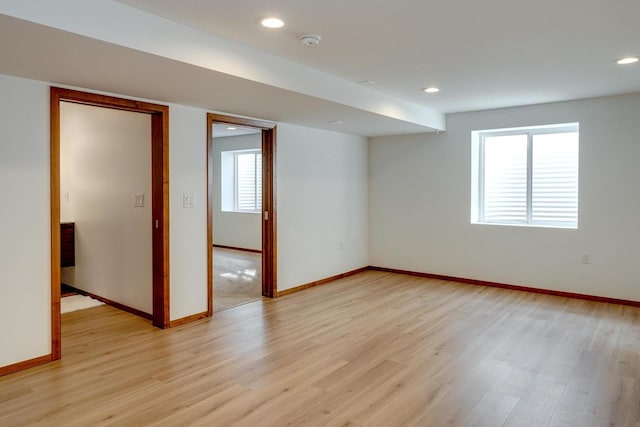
(261, 160)
(159, 115)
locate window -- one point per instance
(526, 176)
(242, 181)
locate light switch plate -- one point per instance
(138, 200)
(188, 200)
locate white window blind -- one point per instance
(555, 179)
(529, 176)
(505, 178)
(248, 194)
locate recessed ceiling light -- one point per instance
(231, 128)
(628, 60)
(431, 89)
(272, 22)
(367, 82)
(336, 122)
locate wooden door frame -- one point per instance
(269, 247)
(159, 205)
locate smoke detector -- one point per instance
(310, 40)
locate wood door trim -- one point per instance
(98, 100)
(160, 209)
(232, 120)
(269, 247)
(160, 199)
(269, 227)
(56, 331)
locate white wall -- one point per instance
(25, 290)
(105, 159)
(322, 212)
(420, 191)
(322, 204)
(237, 229)
(188, 226)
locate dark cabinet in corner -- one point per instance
(67, 244)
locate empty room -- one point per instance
(341, 213)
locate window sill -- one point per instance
(504, 224)
(242, 212)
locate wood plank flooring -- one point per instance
(375, 349)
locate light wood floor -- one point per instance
(373, 349)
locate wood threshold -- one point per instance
(321, 281)
(256, 251)
(188, 319)
(114, 303)
(26, 364)
(521, 288)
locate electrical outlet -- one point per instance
(586, 258)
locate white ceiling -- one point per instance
(481, 53)
(215, 55)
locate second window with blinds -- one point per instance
(526, 176)
(242, 181)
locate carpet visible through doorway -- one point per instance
(237, 277)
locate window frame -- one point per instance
(530, 132)
(258, 195)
